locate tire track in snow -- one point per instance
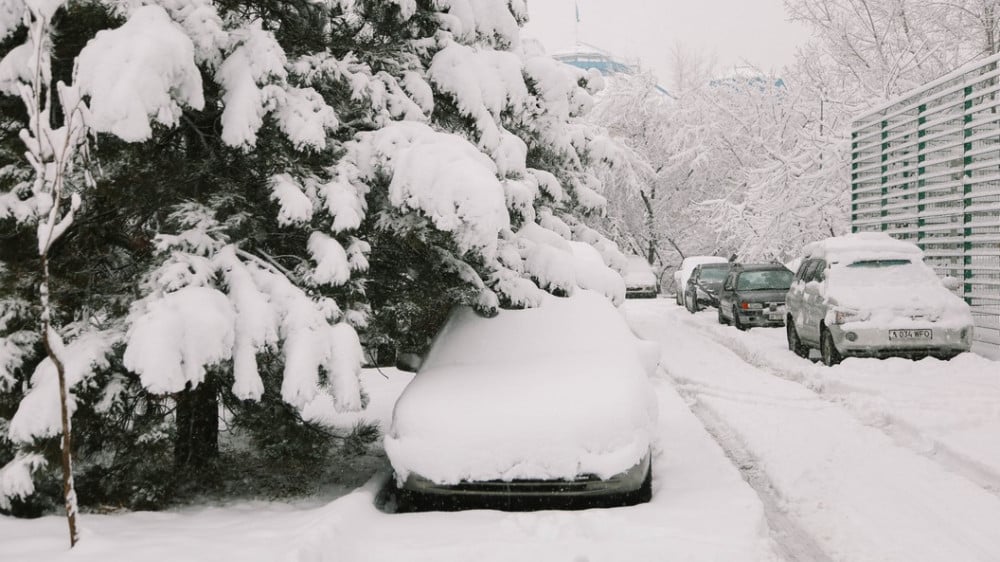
(851, 489)
(901, 432)
(793, 543)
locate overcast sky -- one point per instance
(755, 30)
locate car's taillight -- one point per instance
(751, 305)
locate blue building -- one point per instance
(588, 57)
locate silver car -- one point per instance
(869, 295)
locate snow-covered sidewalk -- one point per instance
(861, 495)
(701, 510)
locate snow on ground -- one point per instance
(701, 510)
(948, 410)
(869, 460)
(856, 490)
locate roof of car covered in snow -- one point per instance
(862, 245)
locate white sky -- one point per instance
(732, 30)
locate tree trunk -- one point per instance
(69, 487)
(197, 442)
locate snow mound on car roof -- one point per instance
(861, 245)
(543, 393)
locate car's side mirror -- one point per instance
(951, 283)
(409, 362)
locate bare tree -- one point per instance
(885, 47)
(53, 152)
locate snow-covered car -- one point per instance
(640, 280)
(754, 295)
(684, 272)
(868, 294)
(541, 407)
(704, 285)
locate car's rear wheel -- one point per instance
(722, 318)
(692, 303)
(828, 350)
(794, 342)
(737, 322)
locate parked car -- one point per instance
(704, 284)
(871, 295)
(542, 407)
(640, 280)
(684, 271)
(754, 295)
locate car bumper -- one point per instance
(762, 318)
(875, 342)
(501, 494)
(640, 292)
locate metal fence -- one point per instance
(926, 168)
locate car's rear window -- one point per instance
(893, 272)
(773, 280)
(879, 263)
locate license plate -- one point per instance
(775, 316)
(910, 335)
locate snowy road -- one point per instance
(761, 456)
(875, 460)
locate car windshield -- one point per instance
(583, 325)
(765, 280)
(713, 274)
(884, 272)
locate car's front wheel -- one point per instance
(794, 342)
(645, 492)
(828, 350)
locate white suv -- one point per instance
(871, 295)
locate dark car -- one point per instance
(545, 407)
(704, 284)
(754, 295)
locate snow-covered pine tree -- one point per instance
(209, 297)
(482, 196)
(246, 223)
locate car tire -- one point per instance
(794, 342)
(736, 321)
(828, 350)
(722, 318)
(691, 302)
(645, 493)
(678, 296)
